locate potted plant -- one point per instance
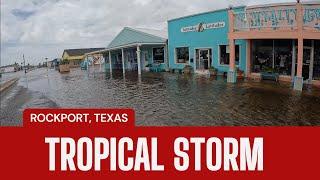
(240, 73)
(148, 67)
(213, 71)
(269, 73)
(187, 69)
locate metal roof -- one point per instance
(129, 36)
(81, 52)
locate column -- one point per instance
(249, 57)
(232, 74)
(294, 60)
(166, 57)
(101, 55)
(139, 59)
(110, 62)
(123, 66)
(298, 80)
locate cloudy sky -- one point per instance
(44, 28)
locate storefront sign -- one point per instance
(202, 27)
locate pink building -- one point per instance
(281, 38)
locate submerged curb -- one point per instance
(8, 84)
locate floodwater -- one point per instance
(165, 99)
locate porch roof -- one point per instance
(129, 36)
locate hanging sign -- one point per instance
(203, 26)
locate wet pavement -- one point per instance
(165, 99)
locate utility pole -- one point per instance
(24, 64)
(47, 66)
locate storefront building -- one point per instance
(279, 39)
(201, 41)
(136, 49)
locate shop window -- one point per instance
(262, 55)
(158, 55)
(182, 55)
(283, 57)
(225, 54)
(316, 64)
(272, 56)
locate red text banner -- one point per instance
(68, 150)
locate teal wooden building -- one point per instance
(137, 49)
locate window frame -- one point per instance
(164, 54)
(175, 55)
(219, 53)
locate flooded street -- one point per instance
(165, 99)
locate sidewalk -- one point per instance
(7, 84)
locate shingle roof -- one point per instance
(138, 35)
(81, 52)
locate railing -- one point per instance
(311, 17)
(275, 19)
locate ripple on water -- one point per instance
(165, 99)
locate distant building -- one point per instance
(76, 56)
(54, 63)
(10, 68)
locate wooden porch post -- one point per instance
(110, 62)
(139, 59)
(166, 57)
(123, 66)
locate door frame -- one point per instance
(309, 80)
(311, 65)
(195, 57)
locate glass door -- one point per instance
(307, 70)
(316, 61)
(306, 63)
(203, 59)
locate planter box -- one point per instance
(270, 76)
(64, 68)
(187, 70)
(213, 72)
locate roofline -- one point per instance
(65, 51)
(247, 7)
(136, 30)
(82, 48)
(198, 14)
(125, 46)
(282, 4)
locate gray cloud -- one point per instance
(43, 28)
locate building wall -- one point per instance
(209, 38)
(149, 50)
